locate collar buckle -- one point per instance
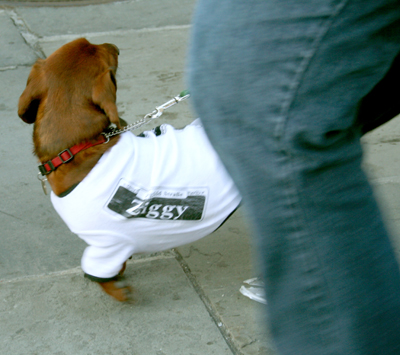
(64, 159)
(44, 171)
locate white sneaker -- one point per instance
(255, 290)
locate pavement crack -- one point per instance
(193, 249)
(208, 304)
(10, 215)
(249, 343)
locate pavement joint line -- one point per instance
(47, 39)
(8, 68)
(208, 304)
(78, 269)
(29, 37)
(42, 276)
(385, 180)
(58, 3)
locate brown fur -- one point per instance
(71, 98)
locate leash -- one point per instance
(68, 154)
(159, 110)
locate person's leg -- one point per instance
(277, 84)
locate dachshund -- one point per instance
(126, 194)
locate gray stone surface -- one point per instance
(46, 306)
(14, 50)
(382, 164)
(151, 72)
(33, 238)
(65, 314)
(221, 262)
(116, 16)
(188, 301)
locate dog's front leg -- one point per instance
(121, 272)
(119, 288)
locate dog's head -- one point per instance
(78, 77)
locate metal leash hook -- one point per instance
(43, 180)
(160, 109)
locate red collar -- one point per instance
(67, 155)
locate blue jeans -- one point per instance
(277, 84)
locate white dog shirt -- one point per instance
(148, 194)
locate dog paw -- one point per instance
(118, 289)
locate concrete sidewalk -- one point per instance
(188, 300)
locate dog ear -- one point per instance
(104, 95)
(30, 99)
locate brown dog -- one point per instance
(144, 194)
(71, 98)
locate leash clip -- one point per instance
(160, 109)
(43, 180)
(106, 136)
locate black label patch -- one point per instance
(159, 203)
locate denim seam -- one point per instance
(286, 105)
(311, 262)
